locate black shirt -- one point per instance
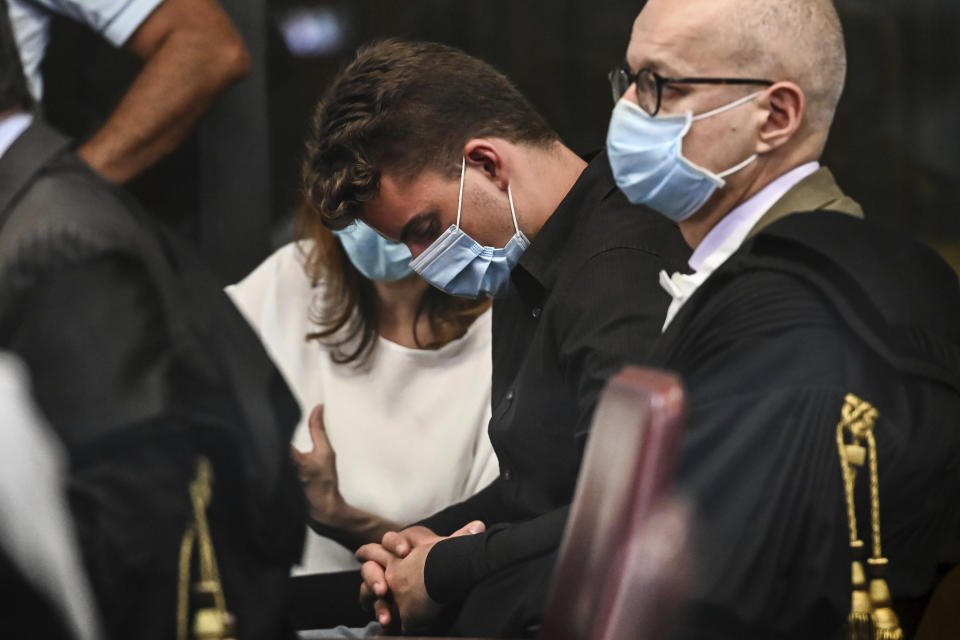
(583, 301)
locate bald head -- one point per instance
(796, 40)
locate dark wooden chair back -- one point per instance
(622, 561)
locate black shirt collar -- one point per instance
(543, 260)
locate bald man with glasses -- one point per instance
(819, 352)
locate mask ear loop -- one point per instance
(513, 211)
(727, 107)
(463, 173)
(734, 169)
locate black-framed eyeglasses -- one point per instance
(650, 85)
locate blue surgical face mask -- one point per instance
(647, 159)
(373, 255)
(459, 265)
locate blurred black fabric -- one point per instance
(141, 364)
(327, 600)
(28, 613)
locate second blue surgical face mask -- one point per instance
(461, 266)
(373, 255)
(646, 156)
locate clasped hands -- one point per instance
(392, 570)
(393, 583)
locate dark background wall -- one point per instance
(895, 145)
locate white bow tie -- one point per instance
(681, 286)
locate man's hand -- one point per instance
(405, 579)
(399, 543)
(374, 592)
(318, 474)
(392, 574)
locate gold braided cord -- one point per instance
(208, 623)
(849, 475)
(871, 613)
(183, 583)
(874, 495)
(200, 493)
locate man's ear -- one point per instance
(485, 154)
(785, 110)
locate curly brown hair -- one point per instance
(406, 106)
(346, 313)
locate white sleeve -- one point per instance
(36, 529)
(252, 293)
(115, 20)
(485, 467)
(274, 287)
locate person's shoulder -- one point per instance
(616, 223)
(905, 280)
(65, 215)
(631, 236)
(744, 308)
(899, 296)
(288, 259)
(646, 230)
(279, 286)
(619, 246)
(287, 264)
(68, 196)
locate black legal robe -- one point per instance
(816, 306)
(141, 364)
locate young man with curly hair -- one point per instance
(438, 150)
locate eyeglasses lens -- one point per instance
(647, 92)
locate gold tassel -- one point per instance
(860, 621)
(885, 621)
(871, 609)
